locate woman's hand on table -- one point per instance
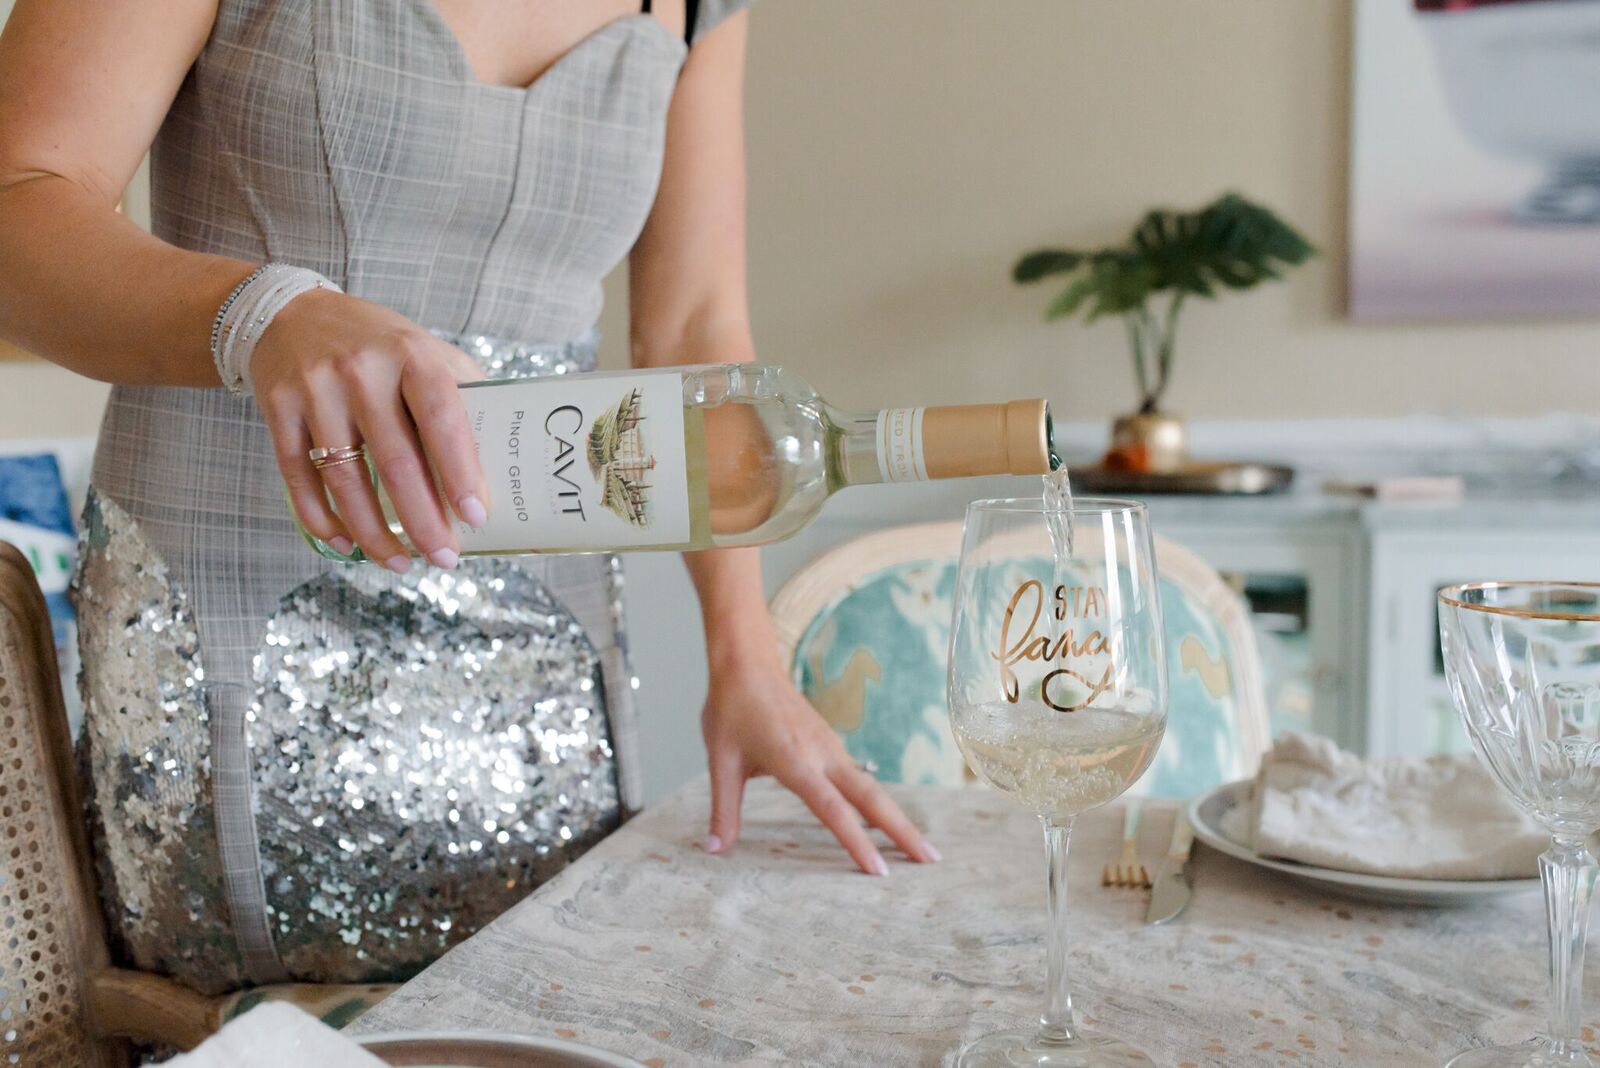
(756, 723)
(332, 371)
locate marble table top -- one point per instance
(780, 954)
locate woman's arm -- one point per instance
(688, 305)
(84, 87)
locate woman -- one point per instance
(332, 773)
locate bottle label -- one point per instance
(581, 462)
(900, 445)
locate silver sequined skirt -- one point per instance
(326, 773)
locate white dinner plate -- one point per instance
(1207, 811)
(482, 1049)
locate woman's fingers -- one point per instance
(463, 368)
(361, 375)
(727, 794)
(873, 801)
(350, 486)
(825, 801)
(307, 493)
(398, 458)
(429, 389)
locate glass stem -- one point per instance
(1057, 1025)
(1568, 871)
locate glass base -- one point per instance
(1534, 1054)
(1009, 1049)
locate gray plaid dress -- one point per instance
(327, 772)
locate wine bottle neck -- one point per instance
(917, 444)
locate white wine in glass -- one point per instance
(1058, 697)
(1057, 764)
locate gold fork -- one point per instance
(1127, 871)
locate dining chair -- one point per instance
(865, 629)
(62, 1002)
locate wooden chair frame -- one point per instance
(118, 1003)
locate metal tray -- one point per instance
(1234, 478)
(468, 1049)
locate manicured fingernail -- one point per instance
(445, 558)
(713, 844)
(399, 563)
(930, 852)
(342, 545)
(879, 866)
(473, 512)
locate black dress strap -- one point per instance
(691, 13)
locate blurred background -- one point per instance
(900, 161)
(902, 157)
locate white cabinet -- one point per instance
(1303, 577)
(1411, 708)
(1371, 574)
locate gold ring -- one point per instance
(325, 464)
(343, 454)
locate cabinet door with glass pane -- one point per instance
(1409, 708)
(1302, 582)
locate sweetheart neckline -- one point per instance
(463, 65)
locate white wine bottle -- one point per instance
(703, 457)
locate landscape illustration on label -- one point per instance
(621, 460)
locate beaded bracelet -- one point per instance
(222, 312)
(249, 310)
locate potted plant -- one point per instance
(1229, 244)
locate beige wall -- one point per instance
(903, 154)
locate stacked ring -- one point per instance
(322, 459)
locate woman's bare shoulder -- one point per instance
(85, 84)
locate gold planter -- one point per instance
(1151, 442)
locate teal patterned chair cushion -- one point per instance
(873, 663)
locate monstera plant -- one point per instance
(1171, 256)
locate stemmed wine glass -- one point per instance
(1522, 660)
(1058, 697)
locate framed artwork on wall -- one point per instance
(1475, 159)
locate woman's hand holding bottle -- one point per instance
(333, 371)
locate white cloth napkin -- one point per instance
(1439, 817)
(274, 1035)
